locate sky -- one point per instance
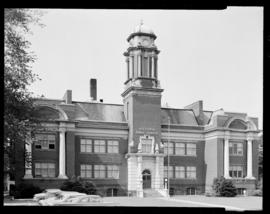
(210, 55)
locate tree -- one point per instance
(19, 123)
(224, 187)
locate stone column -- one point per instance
(131, 62)
(62, 153)
(28, 160)
(157, 176)
(153, 67)
(140, 181)
(249, 159)
(156, 67)
(139, 65)
(127, 61)
(226, 157)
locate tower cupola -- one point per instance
(141, 57)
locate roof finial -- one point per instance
(141, 22)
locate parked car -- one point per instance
(84, 200)
(59, 198)
(47, 193)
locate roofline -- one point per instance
(100, 121)
(48, 99)
(98, 103)
(185, 109)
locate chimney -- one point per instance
(93, 89)
(197, 107)
(68, 97)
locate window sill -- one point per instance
(55, 178)
(175, 155)
(100, 178)
(101, 153)
(183, 178)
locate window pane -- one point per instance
(113, 146)
(171, 145)
(179, 148)
(99, 146)
(191, 172)
(180, 172)
(191, 149)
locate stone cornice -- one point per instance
(102, 125)
(135, 89)
(141, 48)
(144, 155)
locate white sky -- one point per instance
(214, 56)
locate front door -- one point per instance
(146, 176)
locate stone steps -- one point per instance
(151, 193)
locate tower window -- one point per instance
(155, 68)
(145, 66)
(150, 66)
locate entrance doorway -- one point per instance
(146, 176)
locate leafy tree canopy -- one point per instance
(18, 101)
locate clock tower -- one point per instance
(142, 107)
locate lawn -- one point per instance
(235, 203)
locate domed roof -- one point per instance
(142, 28)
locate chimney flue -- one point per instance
(93, 89)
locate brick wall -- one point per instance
(104, 159)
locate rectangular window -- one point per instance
(166, 171)
(170, 148)
(191, 149)
(179, 172)
(150, 67)
(236, 148)
(145, 66)
(99, 146)
(86, 145)
(86, 171)
(191, 172)
(45, 170)
(133, 66)
(146, 145)
(45, 142)
(179, 148)
(113, 146)
(236, 171)
(99, 171)
(113, 171)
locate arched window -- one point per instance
(238, 124)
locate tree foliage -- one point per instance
(19, 124)
(224, 187)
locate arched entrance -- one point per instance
(146, 176)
